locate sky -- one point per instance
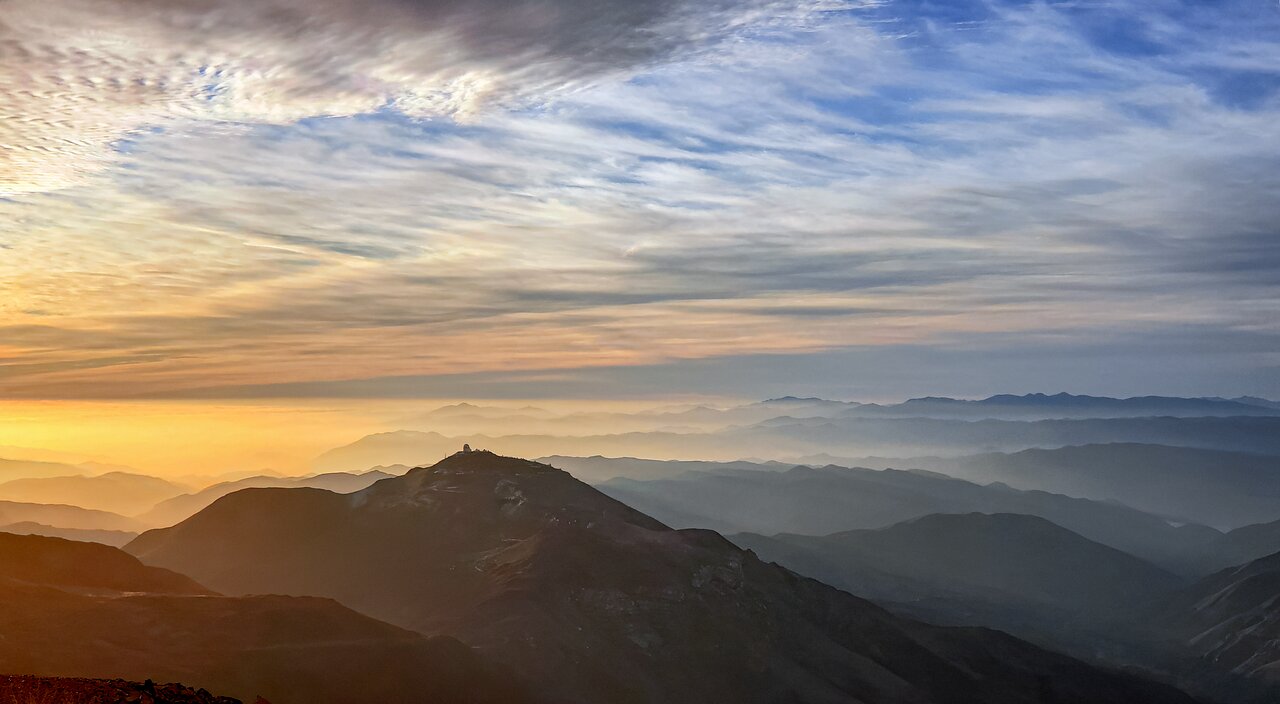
(227, 201)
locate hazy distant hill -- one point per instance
(64, 517)
(1236, 547)
(1250, 400)
(790, 437)
(467, 419)
(786, 436)
(813, 501)
(83, 610)
(118, 492)
(1215, 487)
(1062, 405)
(471, 410)
(28, 469)
(988, 557)
(180, 508)
(400, 447)
(596, 602)
(114, 538)
(597, 469)
(1020, 574)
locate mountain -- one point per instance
(400, 447)
(67, 564)
(984, 556)
(66, 690)
(180, 508)
(470, 409)
(802, 406)
(789, 436)
(1251, 401)
(596, 602)
(1063, 405)
(114, 538)
(60, 516)
(117, 492)
(1236, 547)
(597, 469)
(71, 609)
(820, 501)
(208, 480)
(470, 420)
(11, 469)
(1231, 619)
(1215, 487)
(1020, 574)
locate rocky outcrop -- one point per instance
(25, 689)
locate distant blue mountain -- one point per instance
(1064, 405)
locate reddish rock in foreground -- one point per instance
(25, 689)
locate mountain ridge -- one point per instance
(595, 601)
(71, 609)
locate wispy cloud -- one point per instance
(80, 74)
(904, 174)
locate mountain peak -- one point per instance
(468, 460)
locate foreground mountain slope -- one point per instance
(596, 602)
(71, 609)
(821, 501)
(1232, 618)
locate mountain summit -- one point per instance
(593, 601)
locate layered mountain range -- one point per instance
(1093, 533)
(591, 600)
(820, 501)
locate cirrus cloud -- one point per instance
(78, 75)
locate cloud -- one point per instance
(78, 75)
(1125, 362)
(891, 178)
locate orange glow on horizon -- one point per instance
(200, 438)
